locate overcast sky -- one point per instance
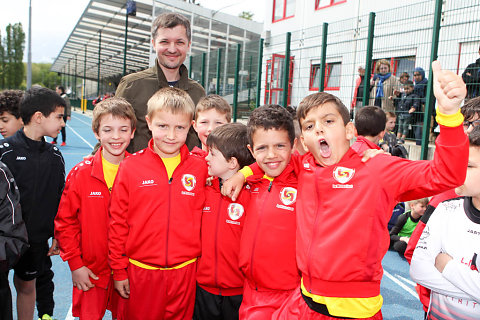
(54, 20)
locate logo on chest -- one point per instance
(288, 195)
(343, 175)
(21, 158)
(235, 212)
(189, 182)
(95, 194)
(148, 183)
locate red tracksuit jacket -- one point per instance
(267, 250)
(222, 225)
(343, 211)
(155, 220)
(81, 223)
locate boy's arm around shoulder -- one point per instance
(422, 269)
(67, 224)
(118, 227)
(13, 232)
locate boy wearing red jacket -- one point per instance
(219, 279)
(81, 223)
(341, 238)
(156, 210)
(267, 250)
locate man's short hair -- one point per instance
(370, 121)
(231, 140)
(474, 137)
(318, 99)
(213, 101)
(391, 115)
(117, 107)
(173, 100)
(39, 99)
(471, 108)
(271, 116)
(170, 20)
(10, 102)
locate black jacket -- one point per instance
(408, 101)
(473, 80)
(13, 233)
(39, 170)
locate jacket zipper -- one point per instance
(168, 218)
(216, 242)
(256, 231)
(313, 234)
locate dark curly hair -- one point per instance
(10, 102)
(271, 116)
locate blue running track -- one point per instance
(398, 291)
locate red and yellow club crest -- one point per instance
(235, 211)
(342, 174)
(288, 195)
(189, 182)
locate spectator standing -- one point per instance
(358, 92)
(471, 77)
(384, 84)
(420, 89)
(171, 40)
(406, 106)
(67, 115)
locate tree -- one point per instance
(2, 64)
(246, 15)
(42, 75)
(11, 57)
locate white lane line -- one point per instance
(77, 118)
(69, 314)
(410, 282)
(88, 143)
(401, 284)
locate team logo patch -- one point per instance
(189, 182)
(288, 195)
(342, 174)
(235, 211)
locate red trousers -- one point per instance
(295, 308)
(261, 304)
(160, 294)
(91, 304)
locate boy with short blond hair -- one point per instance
(219, 279)
(345, 283)
(81, 224)
(405, 224)
(155, 210)
(211, 111)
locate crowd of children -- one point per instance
(290, 236)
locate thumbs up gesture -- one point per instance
(449, 89)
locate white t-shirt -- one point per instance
(454, 228)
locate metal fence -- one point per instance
(327, 57)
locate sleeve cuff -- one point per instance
(450, 120)
(75, 263)
(246, 171)
(451, 136)
(120, 275)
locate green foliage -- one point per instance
(12, 46)
(246, 15)
(42, 75)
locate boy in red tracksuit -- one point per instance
(267, 250)
(341, 237)
(219, 279)
(81, 223)
(155, 216)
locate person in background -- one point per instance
(383, 86)
(358, 91)
(67, 116)
(471, 77)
